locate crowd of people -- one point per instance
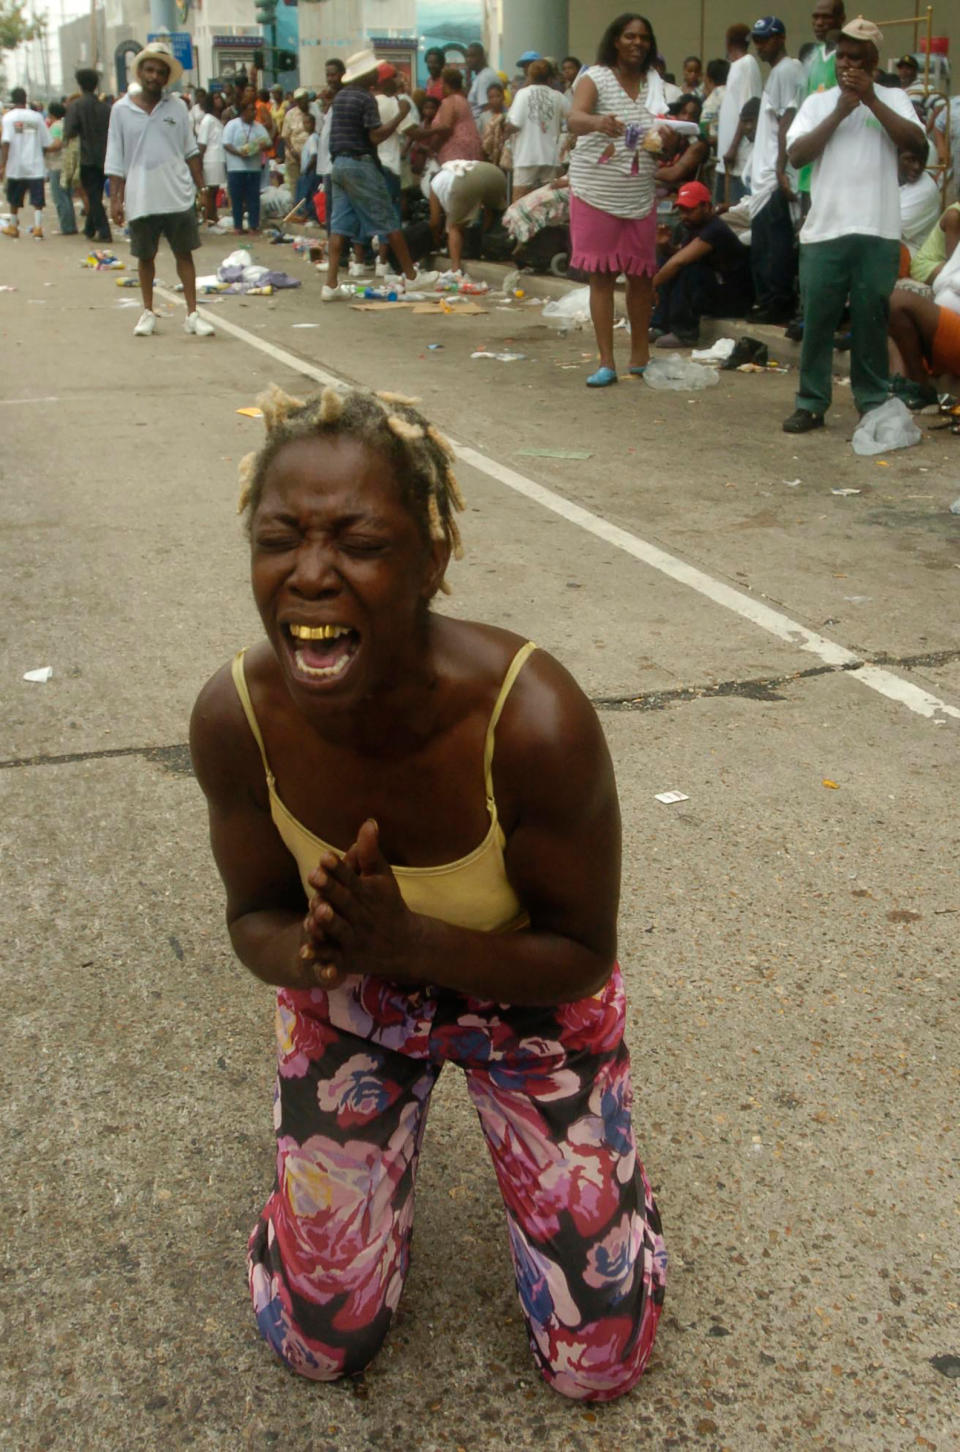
(728, 194)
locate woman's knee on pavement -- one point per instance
(597, 1363)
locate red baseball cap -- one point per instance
(385, 71)
(691, 194)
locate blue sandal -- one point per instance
(638, 370)
(602, 378)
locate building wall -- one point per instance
(342, 27)
(697, 27)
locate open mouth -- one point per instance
(321, 652)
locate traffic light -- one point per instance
(286, 60)
(266, 11)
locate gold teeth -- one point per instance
(318, 632)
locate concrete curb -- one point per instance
(543, 285)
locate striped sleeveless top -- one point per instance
(611, 185)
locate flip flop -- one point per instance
(602, 378)
(638, 370)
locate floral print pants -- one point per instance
(551, 1086)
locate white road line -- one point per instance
(905, 693)
(743, 605)
(16, 402)
(280, 355)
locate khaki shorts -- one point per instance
(484, 185)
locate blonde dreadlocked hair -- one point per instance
(387, 422)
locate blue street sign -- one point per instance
(180, 42)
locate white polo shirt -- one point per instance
(854, 187)
(25, 132)
(149, 149)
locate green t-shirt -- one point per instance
(822, 74)
(932, 252)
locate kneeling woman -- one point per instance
(416, 821)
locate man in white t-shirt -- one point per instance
(23, 139)
(153, 162)
(744, 83)
(534, 121)
(772, 246)
(482, 77)
(850, 242)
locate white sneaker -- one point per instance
(336, 294)
(146, 324)
(423, 279)
(194, 323)
(357, 269)
(381, 268)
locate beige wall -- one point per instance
(678, 29)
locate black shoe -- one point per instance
(794, 330)
(104, 236)
(770, 315)
(801, 421)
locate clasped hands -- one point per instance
(856, 87)
(356, 922)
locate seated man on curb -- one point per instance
(459, 191)
(709, 273)
(919, 205)
(850, 241)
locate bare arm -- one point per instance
(694, 251)
(685, 166)
(730, 155)
(950, 227)
(118, 186)
(786, 121)
(583, 120)
(265, 901)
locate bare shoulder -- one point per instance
(550, 751)
(225, 756)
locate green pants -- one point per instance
(865, 270)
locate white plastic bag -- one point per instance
(888, 427)
(677, 373)
(240, 258)
(570, 311)
(718, 352)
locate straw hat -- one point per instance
(159, 51)
(361, 63)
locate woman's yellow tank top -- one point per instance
(473, 892)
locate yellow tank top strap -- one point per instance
(513, 670)
(240, 681)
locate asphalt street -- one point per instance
(785, 655)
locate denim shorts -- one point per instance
(20, 186)
(361, 202)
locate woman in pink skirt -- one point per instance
(613, 220)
